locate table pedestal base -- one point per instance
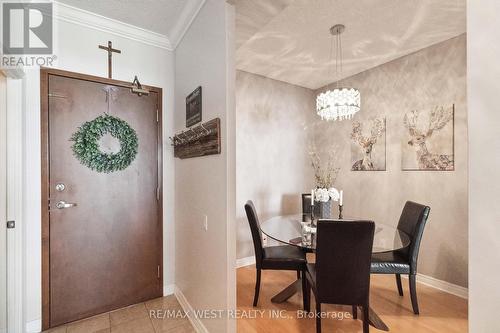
(296, 287)
(288, 292)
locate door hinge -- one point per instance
(157, 193)
(11, 224)
(158, 271)
(157, 116)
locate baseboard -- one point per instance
(195, 321)
(242, 262)
(168, 289)
(447, 287)
(34, 326)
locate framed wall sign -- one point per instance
(193, 107)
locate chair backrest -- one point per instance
(253, 221)
(412, 221)
(343, 259)
(306, 205)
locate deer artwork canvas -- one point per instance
(368, 145)
(428, 142)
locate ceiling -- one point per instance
(166, 17)
(289, 40)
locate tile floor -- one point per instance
(132, 319)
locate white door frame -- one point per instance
(3, 201)
(14, 149)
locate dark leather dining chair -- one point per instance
(285, 257)
(412, 221)
(341, 274)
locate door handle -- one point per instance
(63, 204)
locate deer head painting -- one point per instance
(428, 144)
(368, 149)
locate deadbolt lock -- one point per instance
(60, 187)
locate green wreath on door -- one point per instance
(86, 144)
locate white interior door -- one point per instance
(3, 204)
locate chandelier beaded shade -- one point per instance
(339, 103)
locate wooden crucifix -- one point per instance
(110, 50)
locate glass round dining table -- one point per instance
(289, 229)
(297, 230)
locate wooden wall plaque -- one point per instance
(201, 140)
(193, 107)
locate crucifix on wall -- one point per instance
(110, 50)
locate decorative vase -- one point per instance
(325, 210)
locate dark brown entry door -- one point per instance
(105, 251)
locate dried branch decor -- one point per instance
(325, 175)
(322, 151)
(86, 144)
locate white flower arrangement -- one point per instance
(325, 194)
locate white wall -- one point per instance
(76, 50)
(205, 185)
(3, 203)
(484, 162)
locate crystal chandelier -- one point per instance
(339, 103)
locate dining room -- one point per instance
(352, 166)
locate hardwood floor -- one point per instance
(439, 312)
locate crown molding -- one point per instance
(187, 16)
(91, 20)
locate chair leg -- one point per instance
(366, 319)
(309, 293)
(318, 317)
(298, 275)
(257, 288)
(400, 286)
(413, 293)
(305, 293)
(354, 312)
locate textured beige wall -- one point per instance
(432, 76)
(272, 168)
